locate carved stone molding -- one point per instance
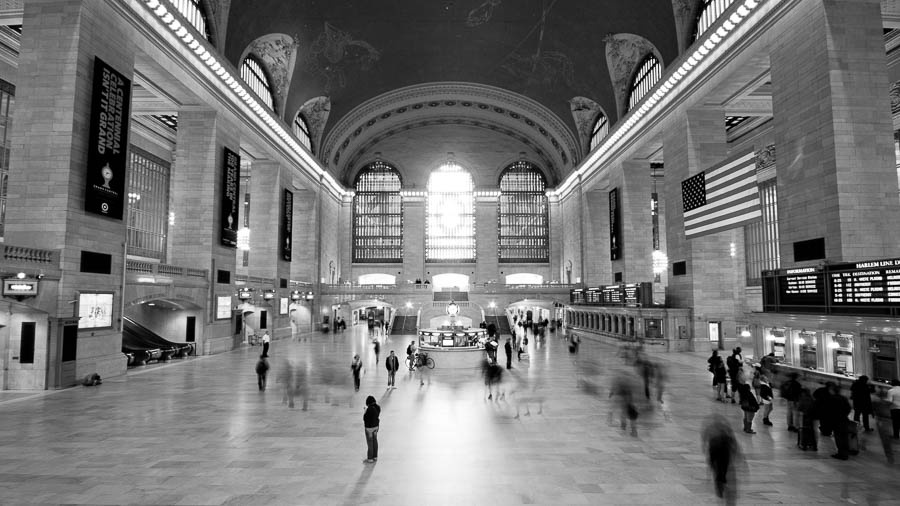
(278, 54)
(765, 157)
(895, 98)
(585, 112)
(316, 111)
(624, 52)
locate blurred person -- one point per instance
(768, 363)
(377, 346)
(790, 391)
(285, 376)
(720, 375)
(265, 341)
(623, 389)
(882, 414)
(806, 421)
(508, 349)
(493, 374)
(262, 369)
(749, 405)
(574, 342)
(392, 364)
(646, 370)
(838, 409)
(722, 451)
(371, 422)
(766, 399)
(893, 397)
(660, 376)
(862, 401)
(822, 409)
(356, 367)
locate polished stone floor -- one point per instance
(199, 431)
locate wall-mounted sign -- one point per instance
(231, 173)
(95, 310)
(108, 138)
(15, 287)
(244, 294)
(615, 225)
(223, 307)
(287, 217)
(283, 306)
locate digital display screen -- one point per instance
(95, 310)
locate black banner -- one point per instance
(287, 222)
(615, 225)
(108, 137)
(231, 192)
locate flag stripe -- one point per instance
(723, 197)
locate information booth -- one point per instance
(454, 346)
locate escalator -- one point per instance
(142, 345)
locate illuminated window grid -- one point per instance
(450, 220)
(649, 72)
(761, 238)
(524, 234)
(148, 204)
(378, 216)
(252, 73)
(601, 129)
(7, 103)
(709, 12)
(301, 130)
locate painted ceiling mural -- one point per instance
(278, 53)
(546, 50)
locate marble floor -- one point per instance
(199, 431)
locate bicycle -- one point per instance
(421, 360)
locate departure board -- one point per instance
(630, 294)
(868, 287)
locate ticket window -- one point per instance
(806, 346)
(840, 353)
(776, 343)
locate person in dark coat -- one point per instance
(862, 401)
(508, 349)
(392, 364)
(806, 437)
(734, 363)
(720, 375)
(790, 390)
(838, 411)
(371, 421)
(749, 405)
(722, 450)
(262, 369)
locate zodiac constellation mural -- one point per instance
(335, 52)
(482, 14)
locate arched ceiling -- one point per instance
(547, 51)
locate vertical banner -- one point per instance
(108, 137)
(231, 172)
(287, 221)
(615, 226)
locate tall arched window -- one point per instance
(253, 74)
(378, 215)
(450, 223)
(709, 12)
(645, 78)
(194, 12)
(600, 130)
(524, 232)
(301, 130)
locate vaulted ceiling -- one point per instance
(531, 56)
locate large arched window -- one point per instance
(450, 223)
(378, 215)
(600, 130)
(193, 11)
(301, 130)
(253, 74)
(709, 12)
(645, 78)
(524, 234)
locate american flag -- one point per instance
(722, 197)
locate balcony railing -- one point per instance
(25, 255)
(141, 267)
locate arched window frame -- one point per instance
(523, 219)
(707, 15)
(648, 74)
(456, 245)
(599, 131)
(195, 13)
(378, 215)
(254, 74)
(301, 130)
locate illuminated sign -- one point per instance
(16, 287)
(95, 310)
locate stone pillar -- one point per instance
(414, 238)
(195, 192)
(557, 260)
(693, 142)
(303, 267)
(571, 236)
(596, 245)
(634, 185)
(837, 178)
(267, 183)
(48, 172)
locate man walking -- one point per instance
(262, 368)
(508, 349)
(392, 363)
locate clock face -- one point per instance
(452, 309)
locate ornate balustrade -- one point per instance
(151, 268)
(35, 256)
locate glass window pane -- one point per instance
(378, 215)
(450, 221)
(524, 232)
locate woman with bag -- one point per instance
(749, 405)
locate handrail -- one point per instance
(30, 255)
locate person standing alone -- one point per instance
(356, 366)
(370, 422)
(262, 368)
(508, 349)
(392, 364)
(265, 340)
